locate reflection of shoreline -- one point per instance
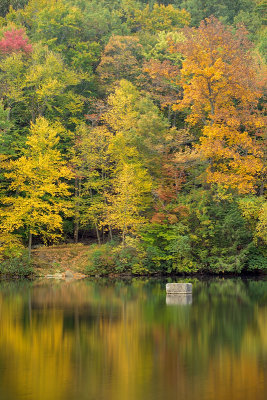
(88, 340)
(179, 299)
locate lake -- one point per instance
(123, 340)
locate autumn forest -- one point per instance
(136, 127)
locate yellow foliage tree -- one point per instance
(131, 197)
(38, 186)
(10, 245)
(94, 166)
(140, 131)
(161, 18)
(235, 159)
(136, 148)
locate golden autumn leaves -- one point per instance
(130, 157)
(116, 191)
(116, 185)
(221, 92)
(38, 184)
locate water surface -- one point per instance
(117, 340)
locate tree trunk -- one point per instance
(76, 208)
(109, 227)
(123, 236)
(97, 234)
(30, 245)
(262, 188)
(174, 120)
(110, 232)
(151, 4)
(169, 113)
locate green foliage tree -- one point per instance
(225, 9)
(6, 4)
(40, 85)
(5, 125)
(210, 235)
(60, 26)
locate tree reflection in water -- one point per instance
(120, 340)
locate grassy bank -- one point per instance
(114, 259)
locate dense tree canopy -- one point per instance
(140, 122)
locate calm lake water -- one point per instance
(117, 340)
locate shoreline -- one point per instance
(68, 260)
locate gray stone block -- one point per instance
(178, 288)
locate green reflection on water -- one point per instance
(119, 340)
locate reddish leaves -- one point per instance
(15, 41)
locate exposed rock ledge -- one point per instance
(67, 275)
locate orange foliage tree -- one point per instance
(221, 94)
(121, 59)
(163, 85)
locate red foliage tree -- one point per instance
(15, 41)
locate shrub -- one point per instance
(110, 258)
(167, 249)
(256, 259)
(10, 246)
(16, 267)
(101, 260)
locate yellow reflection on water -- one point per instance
(88, 340)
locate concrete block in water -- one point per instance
(179, 288)
(179, 299)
